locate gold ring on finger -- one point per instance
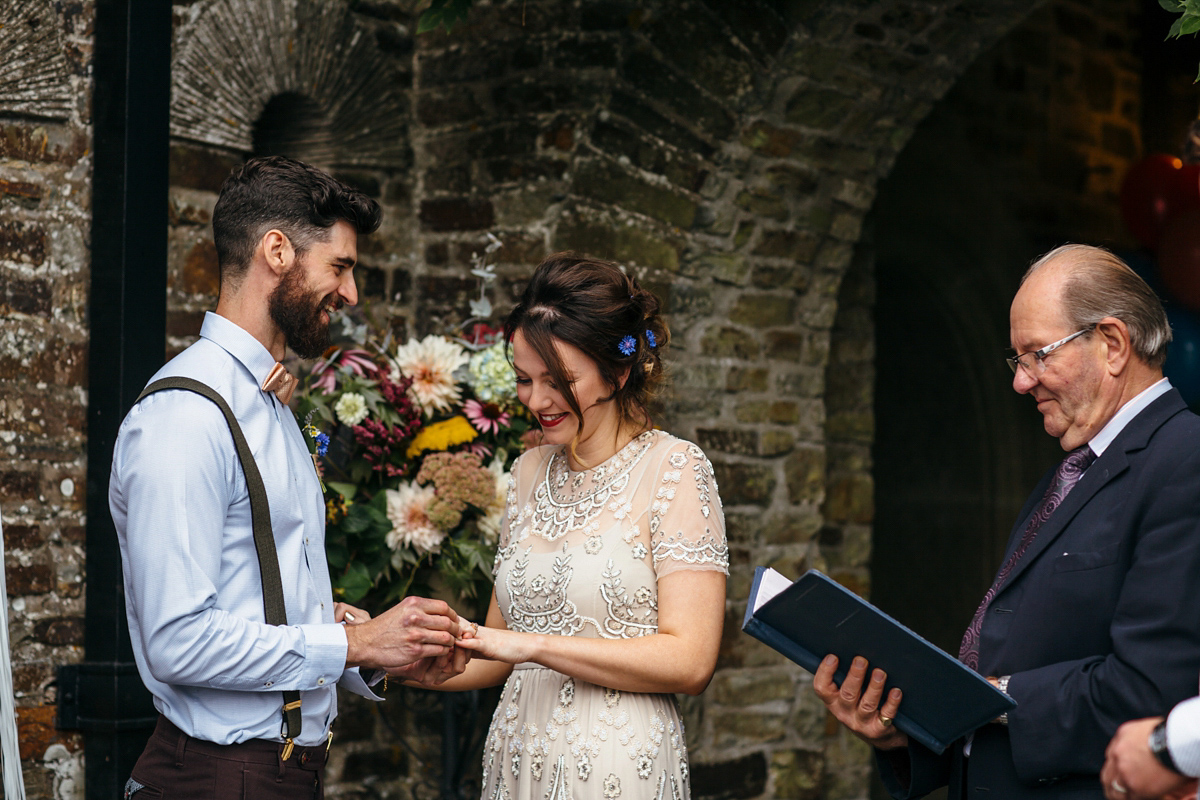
(885, 720)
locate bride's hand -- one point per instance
(497, 644)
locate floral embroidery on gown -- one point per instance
(580, 554)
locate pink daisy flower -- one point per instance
(486, 417)
(479, 449)
(355, 359)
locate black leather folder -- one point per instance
(943, 699)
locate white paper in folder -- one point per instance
(771, 584)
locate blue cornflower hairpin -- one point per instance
(627, 345)
(651, 339)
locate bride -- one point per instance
(610, 573)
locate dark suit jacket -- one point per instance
(1098, 623)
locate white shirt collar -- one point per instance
(239, 343)
(1137, 405)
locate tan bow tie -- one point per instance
(281, 382)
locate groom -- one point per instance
(287, 242)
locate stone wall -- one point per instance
(728, 153)
(45, 199)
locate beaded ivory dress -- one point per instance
(580, 554)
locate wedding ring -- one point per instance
(475, 630)
(1118, 788)
(885, 721)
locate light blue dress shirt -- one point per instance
(1136, 405)
(192, 586)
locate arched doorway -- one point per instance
(1025, 153)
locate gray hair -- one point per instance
(1099, 285)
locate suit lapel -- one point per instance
(1101, 473)
(1135, 436)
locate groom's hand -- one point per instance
(414, 629)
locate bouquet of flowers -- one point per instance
(413, 444)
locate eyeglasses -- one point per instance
(1034, 363)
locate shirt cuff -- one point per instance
(1183, 736)
(353, 680)
(324, 654)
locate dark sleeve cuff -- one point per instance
(913, 771)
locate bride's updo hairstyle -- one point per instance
(596, 307)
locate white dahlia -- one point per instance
(431, 363)
(350, 408)
(408, 511)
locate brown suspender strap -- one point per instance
(264, 539)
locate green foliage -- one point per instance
(446, 13)
(1189, 19)
(356, 547)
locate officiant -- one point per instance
(1092, 619)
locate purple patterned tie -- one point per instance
(1065, 478)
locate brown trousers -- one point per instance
(174, 766)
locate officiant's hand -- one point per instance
(857, 702)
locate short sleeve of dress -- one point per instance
(687, 526)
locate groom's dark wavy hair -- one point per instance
(279, 192)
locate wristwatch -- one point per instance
(1158, 746)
